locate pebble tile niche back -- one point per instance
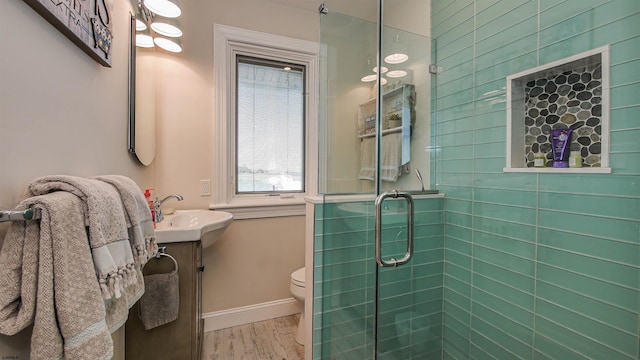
(568, 93)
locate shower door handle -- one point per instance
(393, 262)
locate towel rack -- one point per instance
(162, 251)
(13, 215)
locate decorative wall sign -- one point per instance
(85, 22)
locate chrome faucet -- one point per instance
(158, 203)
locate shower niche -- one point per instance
(571, 93)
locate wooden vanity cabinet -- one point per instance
(180, 339)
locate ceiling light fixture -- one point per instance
(166, 26)
(173, 45)
(166, 8)
(398, 55)
(369, 78)
(397, 58)
(396, 73)
(384, 69)
(140, 25)
(144, 39)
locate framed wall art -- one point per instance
(87, 23)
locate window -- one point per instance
(270, 126)
(265, 123)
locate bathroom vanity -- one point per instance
(182, 338)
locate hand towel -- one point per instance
(47, 278)
(161, 300)
(138, 217)
(367, 159)
(391, 156)
(108, 237)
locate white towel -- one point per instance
(391, 157)
(367, 158)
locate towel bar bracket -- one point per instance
(13, 215)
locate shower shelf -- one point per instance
(569, 93)
(384, 132)
(397, 107)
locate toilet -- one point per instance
(297, 291)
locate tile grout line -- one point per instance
(473, 152)
(535, 272)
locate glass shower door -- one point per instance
(375, 133)
(344, 259)
(408, 286)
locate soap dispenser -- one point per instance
(152, 205)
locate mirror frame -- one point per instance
(131, 138)
(141, 141)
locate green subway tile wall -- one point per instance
(411, 296)
(537, 266)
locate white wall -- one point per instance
(185, 96)
(253, 260)
(186, 150)
(60, 111)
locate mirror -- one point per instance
(142, 103)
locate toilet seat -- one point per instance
(298, 277)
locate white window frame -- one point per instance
(228, 42)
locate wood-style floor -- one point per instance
(265, 340)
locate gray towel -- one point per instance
(108, 237)
(138, 216)
(160, 302)
(47, 278)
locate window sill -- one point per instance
(263, 209)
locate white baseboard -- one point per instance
(248, 314)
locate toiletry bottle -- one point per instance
(539, 160)
(152, 206)
(575, 159)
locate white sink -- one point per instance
(193, 225)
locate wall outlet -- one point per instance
(205, 187)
